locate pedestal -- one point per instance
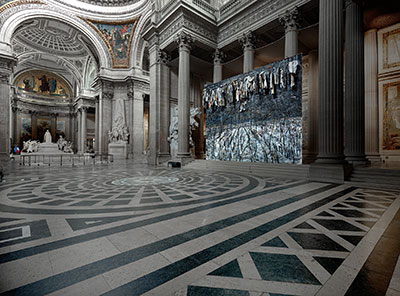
(331, 173)
(118, 150)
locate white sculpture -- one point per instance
(47, 137)
(119, 132)
(173, 131)
(30, 146)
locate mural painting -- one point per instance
(391, 116)
(43, 124)
(60, 131)
(118, 37)
(2, 2)
(26, 129)
(44, 84)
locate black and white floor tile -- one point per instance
(129, 230)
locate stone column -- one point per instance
(313, 106)
(106, 90)
(138, 125)
(53, 127)
(130, 119)
(7, 64)
(96, 118)
(184, 43)
(330, 162)
(34, 115)
(164, 59)
(218, 59)
(79, 138)
(290, 21)
(354, 88)
(84, 129)
(248, 42)
(371, 96)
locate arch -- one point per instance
(13, 19)
(136, 58)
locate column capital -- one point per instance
(350, 2)
(108, 95)
(184, 40)
(7, 64)
(163, 57)
(130, 94)
(33, 113)
(54, 115)
(218, 56)
(290, 19)
(248, 40)
(15, 109)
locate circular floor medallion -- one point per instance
(148, 180)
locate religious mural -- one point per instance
(43, 124)
(43, 83)
(391, 116)
(118, 36)
(26, 128)
(2, 2)
(391, 49)
(60, 129)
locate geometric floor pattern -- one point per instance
(135, 230)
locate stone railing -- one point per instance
(63, 159)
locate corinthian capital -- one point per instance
(163, 57)
(184, 40)
(219, 56)
(248, 40)
(290, 20)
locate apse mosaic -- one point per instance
(44, 84)
(118, 37)
(257, 116)
(391, 116)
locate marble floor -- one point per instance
(135, 230)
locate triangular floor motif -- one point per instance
(275, 242)
(196, 291)
(330, 264)
(283, 268)
(83, 223)
(353, 239)
(304, 225)
(231, 269)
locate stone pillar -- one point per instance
(248, 42)
(290, 21)
(53, 127)
(164, 58)
(83, 129)
(130, 119)
(218, 59)
(330, 162)
(354, 88)
(79, 138)
(34, 115)
(184, 43)
(96, 126)
(138, 125)
(7, 64)
(371, 96)
(313, 106)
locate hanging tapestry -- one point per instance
(256, 116)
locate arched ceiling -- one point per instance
(110, 2)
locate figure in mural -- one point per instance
(52, 85)
(44, 87)
(27, 85)
(47, 137)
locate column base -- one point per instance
(357, 160)
(331, 173)
(309, 157)
(183, 158)
(163, 157)
(374, 158)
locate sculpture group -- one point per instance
(32, 146)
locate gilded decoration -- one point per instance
(118, 37)
(6, 4)
(391, 49)
(44, 84)
(391, 116)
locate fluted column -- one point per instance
(164, 59)
(184, 42)
(79, 137)
(354, 96)
(53, 127)
(96, 119)
(313, 106)
(83, 129)
(14, 123)
(290, 21)
(248, 42)
(218, 59)
(371, 96)
(330, 82)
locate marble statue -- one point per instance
(47, 137)
(119, 132)
(30, 146)
(193, 123)
(173, 131)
